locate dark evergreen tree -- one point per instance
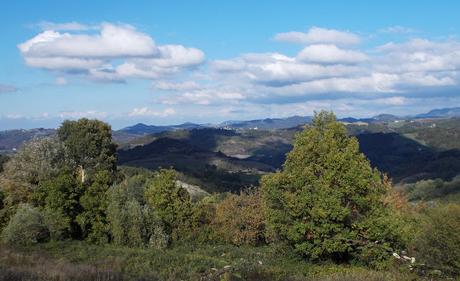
(327, 200)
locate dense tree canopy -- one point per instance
(323, 198)
(89, 145)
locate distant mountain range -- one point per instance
(377, 118)
(12, 139)
(441, 113)
(268, 123)
(234, 154)
(143, 129)
(284, 123)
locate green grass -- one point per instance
(181, 262)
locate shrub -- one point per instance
(57, 224)
(438, 242)
(157, 237)
(203, 214)
(433, 189)
(130, 222)
(239, 220)
(170, 202)
(26, 227)
(60, 198)
(127, 224)
(326, 200)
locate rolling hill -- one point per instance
(233, 155)
(401, 149)
(441, 113)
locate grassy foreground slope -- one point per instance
(82, 261)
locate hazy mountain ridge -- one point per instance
(143, 129)
(441, 113)
(288, 122)
(140, 133)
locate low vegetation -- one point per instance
(75, 260)
(434, 190)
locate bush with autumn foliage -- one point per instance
(239, 219)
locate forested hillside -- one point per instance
(408, 151)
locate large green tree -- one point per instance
(66, 175)
(89, 145)
(327, 200)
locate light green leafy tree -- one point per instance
(170, 202)
(131, 222)
(27, 226)
(37, 160)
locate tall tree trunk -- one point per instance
(82, 173)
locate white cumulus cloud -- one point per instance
(75, 26)
(398, 29)
(176, 86)
(328, 53)
(319, 35)
(147, 112)
(82, 114)
(112, 42)
(115, 53)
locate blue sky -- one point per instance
(210, 61)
